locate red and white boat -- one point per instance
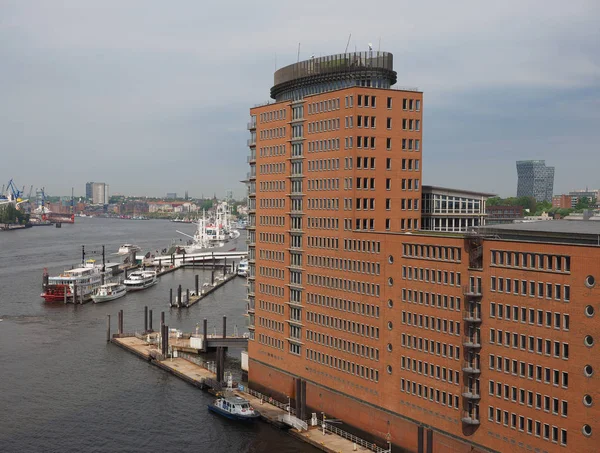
(84, 281)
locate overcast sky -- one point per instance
(153, 96)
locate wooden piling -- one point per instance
(212, 277)
(150, 321)
(205, 333)
(162, 318)
(224, 326)
(179, 301)
(197, 287)
(187, 296)
(224, 266)
(170, 297)
(107, 328)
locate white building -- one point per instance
(99, 193)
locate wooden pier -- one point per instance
(189, 298)
(166, 355)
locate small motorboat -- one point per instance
(110, 291)
(235, 408)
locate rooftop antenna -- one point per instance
(348, 43)
(298, 53)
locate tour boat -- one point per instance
(110, 291)
(242, 269)
(83, 280)
(139, 280)
(126, 249)
(235, 408)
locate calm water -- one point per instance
(63, 389)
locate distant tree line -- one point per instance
(538, 207)
(10, 214)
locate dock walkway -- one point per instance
(203, 378)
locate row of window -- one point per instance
(364, 224)
(332, 322)
(431, 252)
(340, 344)
(357, 245)
(271, 220)
(271, 290)
(266, 186)
(431, 299)
(431, 322)
(527, 397)
(324, 184)
(324, 203)
(269, 151)
(408, 124)
(273, 168)
(343, 264)
(332, 124)
(530, 343)
(323, 164)
(271, 272)
(330, 144)
(276, 203)
(327, 105)
(272, 255)
(431, 275)
(348, 306)
(532, 427)
(529, 371)
(274, 115)
(554, 263)
(430, 370)
(429, 393)
(271, 307)
(272, 238)
(530, 315)
(430, 346)
(271, 324)
(323, 242)
(270, 341)
(343, 365)
(270, 134)
(342, 284)
(531, 288)
(329, 223)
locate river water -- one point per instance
(64, 389)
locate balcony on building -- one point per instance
(471, 392)
(472, 312)
(471, 367)
(472, 291)
(470, 418)
(472, 341)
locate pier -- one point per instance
(200, 259)
(188, 298)
(170, 350)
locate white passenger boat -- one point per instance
(126, 249)
(110, 291)
(242, 269)
(235, 408)
(139, 280)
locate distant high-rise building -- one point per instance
(171, 195)
(89, 190)
(535, 180)
(99, 193)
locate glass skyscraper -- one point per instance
(535, 180)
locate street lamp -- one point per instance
(323, 414)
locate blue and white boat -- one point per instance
(235, 408)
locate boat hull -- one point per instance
(100, 299)
(131, 288)
(229, 415)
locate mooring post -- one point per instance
(197, 286)
(119, 323)
(146, 318)
(205, 332)
(107, 328)
(213, 260)
(183, 257)
(74, 293)
(122, 322)
(125, 273)
(166, 340)
(224, 326)
(150, 329)
(219, 366)
(212, 277)
(187, 296)
(225, 266)
(179, 301)
(170, 297)
(162, 318)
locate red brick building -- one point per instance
(405, 336)
(564, 201)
